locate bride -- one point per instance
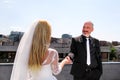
(34, 59)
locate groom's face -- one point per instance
(87, 28)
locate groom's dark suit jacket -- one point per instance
(78, 48)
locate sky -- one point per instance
(64, 16)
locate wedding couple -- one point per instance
(36, 61)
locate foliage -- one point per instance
(112, 55)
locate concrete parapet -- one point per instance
(111, 71)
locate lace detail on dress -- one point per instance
(50, 66)
(56, 69)
(53, 59)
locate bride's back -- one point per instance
(47, 68)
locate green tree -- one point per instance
(112, 55)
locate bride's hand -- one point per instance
(67, 60)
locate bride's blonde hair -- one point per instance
(40, 44)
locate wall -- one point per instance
(111, 71)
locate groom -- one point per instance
(79, 51)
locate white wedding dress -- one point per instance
(20, 69)
(50, 66)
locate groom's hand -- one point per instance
(68, 60)
(71, 56)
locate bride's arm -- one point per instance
(56, 66)
(56, 69)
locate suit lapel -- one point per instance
(82, 42)
(92, 42)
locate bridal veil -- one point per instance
(20, 66)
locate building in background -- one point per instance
(15, 36)
(66, 36)
(9, 44)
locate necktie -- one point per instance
(88, 52)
